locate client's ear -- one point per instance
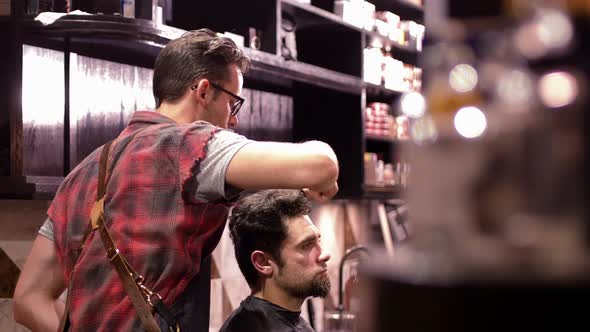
(261, 263)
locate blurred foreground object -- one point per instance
(497, 194)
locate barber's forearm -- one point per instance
(330, 178)
(37, 313)
(321, 148)
(324, 172)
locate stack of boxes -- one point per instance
(380, 122)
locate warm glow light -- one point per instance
(527, 41)
(376, 43)
(470, 122)
(557, 89)
(413, 104)
(555, 29)
(515, 88)
(463, 78)
(550, 30)
(423, 130)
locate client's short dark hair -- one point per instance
(258, 223)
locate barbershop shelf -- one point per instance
(106, 26)
(404, 53)
(128, 40)
(324, 39)
(394, 44)
(114, 38)
(265, 63)
(308, 15)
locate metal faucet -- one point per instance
(348, 252)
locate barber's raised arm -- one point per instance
(266, 165)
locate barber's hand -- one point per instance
(321, 196)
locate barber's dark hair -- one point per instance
(258, 222)
(196, 54)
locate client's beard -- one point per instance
(319, 286)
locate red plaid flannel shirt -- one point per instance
(151, 211)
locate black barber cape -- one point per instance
(258, 315)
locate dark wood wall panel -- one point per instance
(43, 111)
(103, 97)
(6, 69)
(266, 116)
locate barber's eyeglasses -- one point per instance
(235, 108)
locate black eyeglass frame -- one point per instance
(235, 108)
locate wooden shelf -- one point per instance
(105, 26)
(393, 44)
(312, 15)
(112, 34)
(309, 15)
(324, 39)
(404, 53)
(114, 38)
(235, 16)
(302, 72)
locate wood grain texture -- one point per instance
(104, 95)
(266, 116)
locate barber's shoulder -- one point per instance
(197, 126)
(196, 130)
(204, 126)
(84, 168)
(201, 123)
